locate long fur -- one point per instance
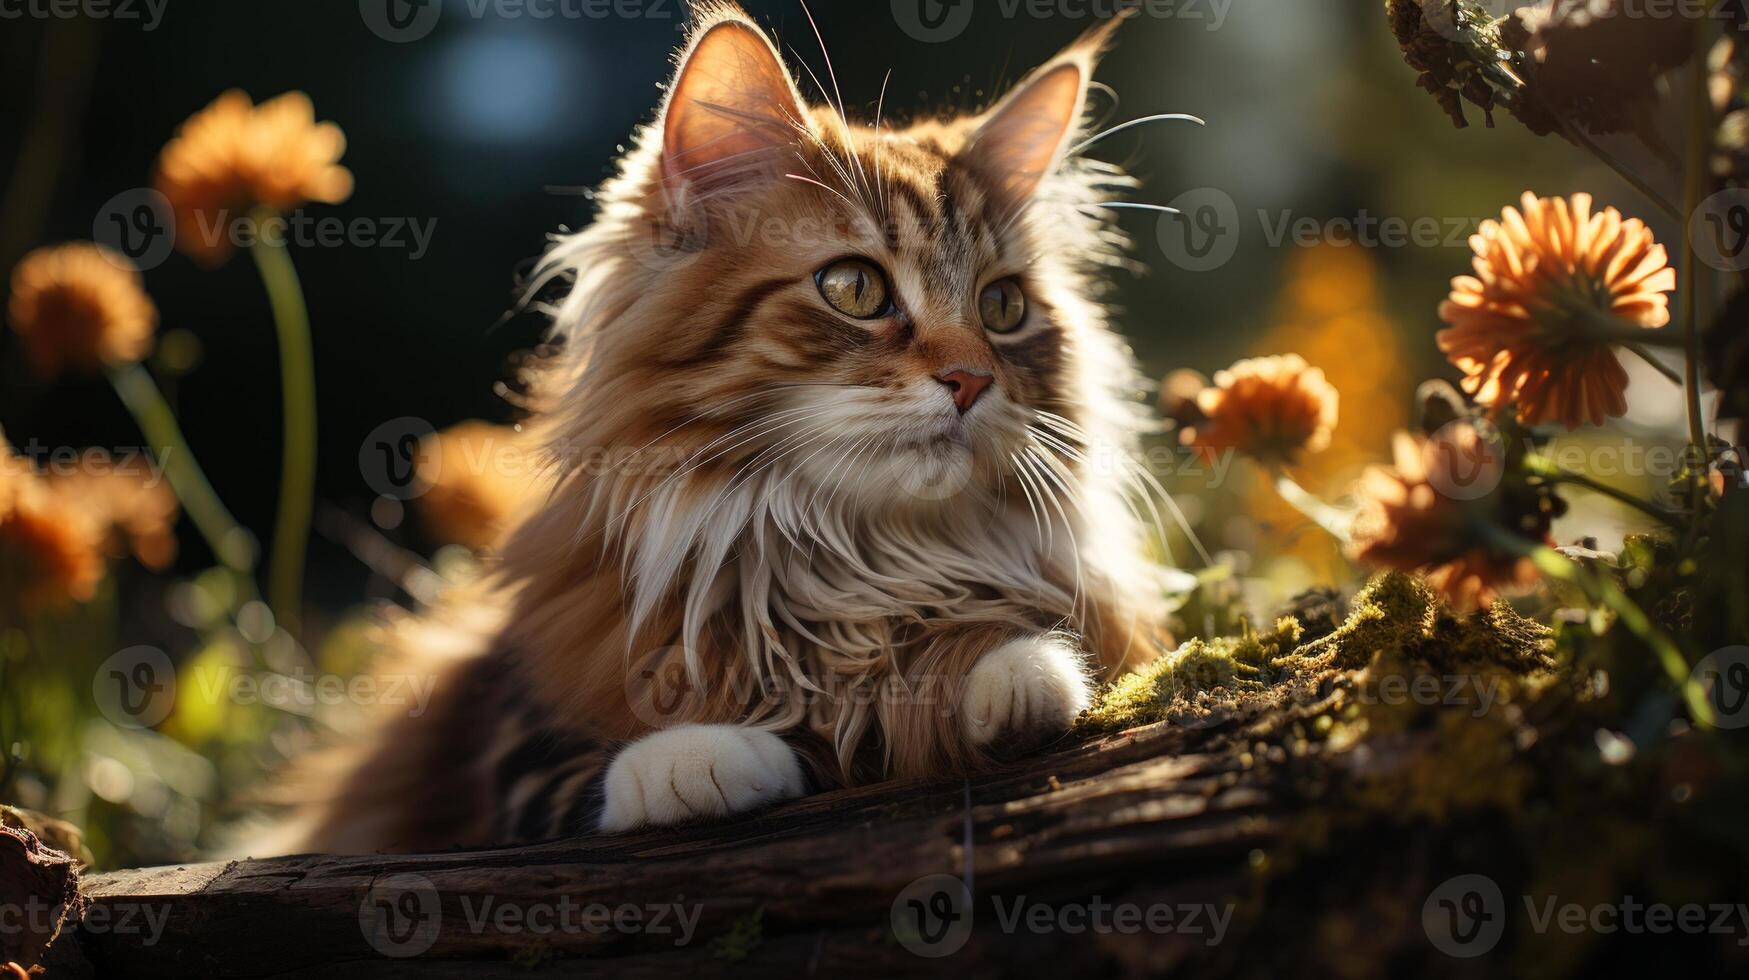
(734, 473)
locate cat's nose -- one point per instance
(966, 387)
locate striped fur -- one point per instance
(769, 532)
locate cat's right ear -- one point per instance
(733, 112)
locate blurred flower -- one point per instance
(1594, 64)
(1272, 409)
(235, 156)
(1178, 394)
(130, 500)
(1728, 83)
(476, 477)
(79, 307)
(1431, 513)
(1554, 286)
(50, 550)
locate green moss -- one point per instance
(1400, 614)
(1235, 665)
(1395, 615)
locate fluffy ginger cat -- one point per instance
(840, 487)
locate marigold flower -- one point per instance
(1272, 409)
(130, 501)
(78, 307)
(233, 156)
(476, 477)
(1554, 284)
(50, 550)
(1430, 513)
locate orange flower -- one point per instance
(1270, 408)
(130, 500)
(1554, 285)
(233, 156)
(79, 307)
(50, 550)
(1431, 511)
(476, 478)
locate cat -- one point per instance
(839, 488)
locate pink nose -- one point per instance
(966, 387)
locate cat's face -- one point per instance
(868, 308)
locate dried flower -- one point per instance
(1594, 64)
(50, 550)
(1433, 510)
(234, 156)
(476, 477)
(1456, 48)
(1553, 288)
(80, 307)
(1272, 409)
(130, 500)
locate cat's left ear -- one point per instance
(1025, 136)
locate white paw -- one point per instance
(1032, 685)
(693, 771)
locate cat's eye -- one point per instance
(855, 288)
(1002, 306)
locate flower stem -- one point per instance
(1555, 474)
(1599, 588)
(1694, 187)
(1338, 522)
(1662, 368)
(230, 544)
(297, 486)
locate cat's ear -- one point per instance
(732, 109)
(1021, 140)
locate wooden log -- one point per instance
(1163, 815)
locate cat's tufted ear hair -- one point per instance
(1025, 136)
(732, 109)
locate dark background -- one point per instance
(492, 126)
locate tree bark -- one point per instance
(1163, 815)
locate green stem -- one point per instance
(230, 544)
(1694, 188)
(297, 487)
(1555, 474)
(1338, 522)
(1666, 370)
(1599, 588)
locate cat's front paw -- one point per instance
(691, 771)
(1032, 686)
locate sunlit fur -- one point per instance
(735, 464)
